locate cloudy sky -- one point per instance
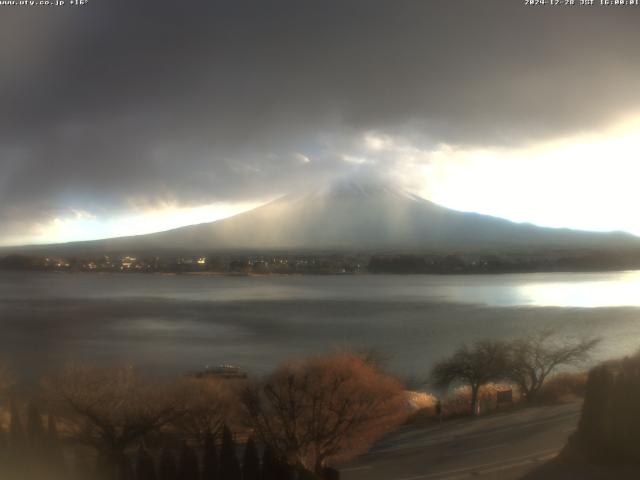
(124, 117)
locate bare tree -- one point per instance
(6, 379)
(324, 409)
(534, 358)
(474, 366)
(111, 409)
(209, 404)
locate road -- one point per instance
(501, 446)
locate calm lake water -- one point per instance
(178, 323)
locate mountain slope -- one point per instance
(362, 215)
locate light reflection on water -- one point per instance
(618, 290)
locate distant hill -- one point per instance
(362, 215)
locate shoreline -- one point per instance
(323, 274)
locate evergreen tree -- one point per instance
(274, 467)
(107, 467)
(16, 432)
(81, 469)
(4, 453)
(35, 428)
(250, 462)
(269, 465)
(229, 466)
(37, 459)
(16, 463)
(609, 427)
(167, 469)
(125, 470)
(53, 452)
(330, 474)
(592, 428)
(300, 473)
(285, 471)
(633, 407)
(188, 464)
(145, 470)
(52, 429)
(618, 419)
(210, 467)
(622, 422)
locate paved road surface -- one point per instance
(501, 446)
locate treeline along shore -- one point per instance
(330, 263)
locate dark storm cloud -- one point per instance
(215, 100)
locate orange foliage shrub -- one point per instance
(325, 410)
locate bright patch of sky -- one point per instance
(82, 225)
(588, 181)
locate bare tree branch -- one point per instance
(110, 409)
(476, 365)
(534, 358)
(324, 409)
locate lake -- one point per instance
(176, 323)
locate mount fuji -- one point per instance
(364, 215)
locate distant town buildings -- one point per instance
(332, 264)
(231, 264)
